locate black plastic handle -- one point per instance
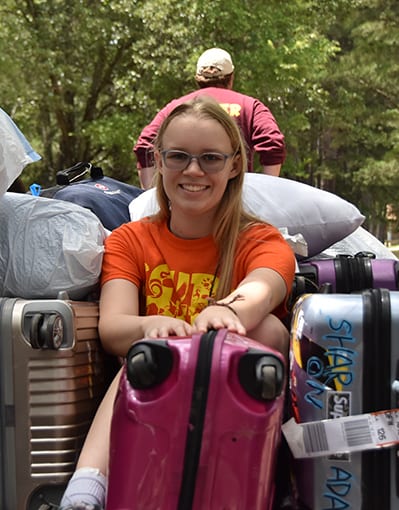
(77, 172)
(262, 375)
(148, 364)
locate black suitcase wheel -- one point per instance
(261, 375)
(148, 364)
(46, 331)
(266, 376)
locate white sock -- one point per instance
(88, 486)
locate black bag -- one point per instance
(107, 198)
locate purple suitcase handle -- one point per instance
(385, 273)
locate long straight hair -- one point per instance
(230, 219)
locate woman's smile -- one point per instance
(193, 188)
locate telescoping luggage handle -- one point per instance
(77, 172)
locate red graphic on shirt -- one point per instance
(177, 294)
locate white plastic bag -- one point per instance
(48, 246)
(15, 152)
(359, 240)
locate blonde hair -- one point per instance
(230, 218)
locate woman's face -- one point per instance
(193, 193)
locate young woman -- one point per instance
(201, 262)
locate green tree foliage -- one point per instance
(361, 140)
(82, 78)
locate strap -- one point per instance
(77, 172)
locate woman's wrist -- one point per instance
(226, 304)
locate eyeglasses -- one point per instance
(209, 162)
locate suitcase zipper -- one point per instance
(197, 419)
(376, 470)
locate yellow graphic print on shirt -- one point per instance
(177, 294)
(233, 109)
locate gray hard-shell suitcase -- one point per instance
(345, 357)
(53, 375)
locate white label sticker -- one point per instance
(341, 435)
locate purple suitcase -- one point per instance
(197, 425)
(346, 273)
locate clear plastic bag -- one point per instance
(15, 152)
(48, 246)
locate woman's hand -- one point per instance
(218, 317)
(158, 326)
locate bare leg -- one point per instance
(96, 447)
(272, 332)
(86, 489)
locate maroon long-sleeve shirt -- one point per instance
(258, 126)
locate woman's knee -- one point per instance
(273, 333)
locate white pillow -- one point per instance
(15, 152)
(323, 218)
(48, 246)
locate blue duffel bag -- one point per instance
(106, 197)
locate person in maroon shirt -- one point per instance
(215, 77)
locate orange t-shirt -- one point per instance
(176, 276)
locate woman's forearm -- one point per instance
(119, 332)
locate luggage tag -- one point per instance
(342, 435)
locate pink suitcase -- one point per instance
(197, 425)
